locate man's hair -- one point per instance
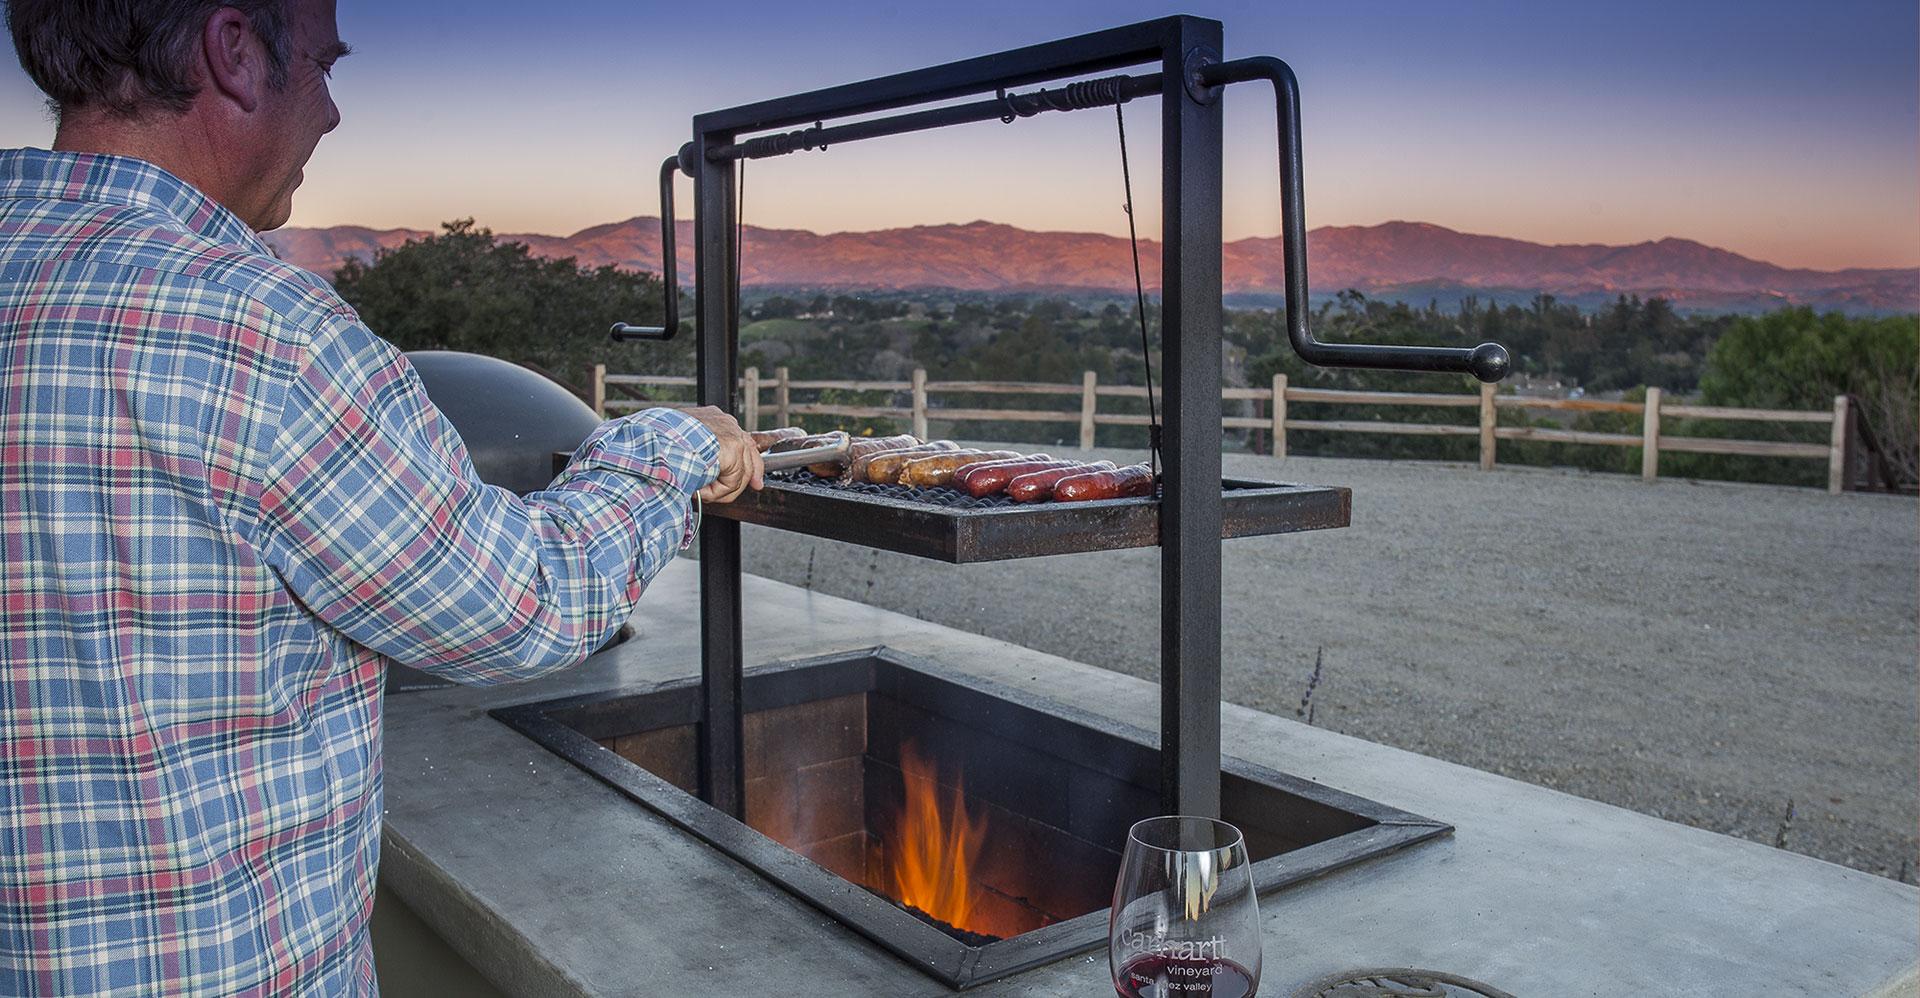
(131, 57)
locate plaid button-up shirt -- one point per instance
(224, 506)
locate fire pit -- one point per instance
(966, 827)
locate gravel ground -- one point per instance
(1741, 658)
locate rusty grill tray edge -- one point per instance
(926, 522)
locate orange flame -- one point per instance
(935, 846)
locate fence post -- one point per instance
(920, 403)
(1087, 397)
(1650, 438)
(1489, 419)
(782, 411)
(750, 399)
(597, 390)
(1280, 417)
(1838, 459)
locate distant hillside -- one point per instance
(1410, 261)
(324, 251)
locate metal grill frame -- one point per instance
(1190, 512)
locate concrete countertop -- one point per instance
(551, 883)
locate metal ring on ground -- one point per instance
(1397, 982)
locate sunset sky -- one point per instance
(1788, 132)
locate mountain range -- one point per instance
(1408, 261)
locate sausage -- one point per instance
(857, 472)
(1132, 480)
(936, 470)
(1038, 486)
(802, 443)
(961, 477)
(965, 475)
(991, 479)
(862, 445)
(763, 439)
(867, 448)
(884, 469)
(985, 458)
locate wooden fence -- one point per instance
(1277, 402)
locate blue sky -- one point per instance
(1789, 132)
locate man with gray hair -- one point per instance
(226, 506)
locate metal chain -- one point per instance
(1140, 294)
(740, 232)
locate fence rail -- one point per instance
(1277, 400)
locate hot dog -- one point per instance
(936, 470)
(1132, 480)
(860, 446)
(763, 439)
(991, 479)
(1038, 486)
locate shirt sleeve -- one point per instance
(378, 523)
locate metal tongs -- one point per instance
(834, 452)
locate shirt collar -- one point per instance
(121, 180)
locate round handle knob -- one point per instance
(1490, 362)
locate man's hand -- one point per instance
(739, 459)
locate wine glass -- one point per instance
(1185, 923)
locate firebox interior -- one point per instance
(1052, 789)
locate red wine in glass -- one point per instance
(1172, 977)
(1185, 922)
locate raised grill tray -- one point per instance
(951, 526)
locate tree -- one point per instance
(462, 290)
(1794, 359)
(776, 307)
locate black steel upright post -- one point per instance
(722, 652)
(1190, 506)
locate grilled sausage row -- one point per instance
(904, 459)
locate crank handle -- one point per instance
(1488, 362)
(669, 272)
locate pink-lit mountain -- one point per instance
(1405, 260)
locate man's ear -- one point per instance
(234, 58)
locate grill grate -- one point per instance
(948, 498)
